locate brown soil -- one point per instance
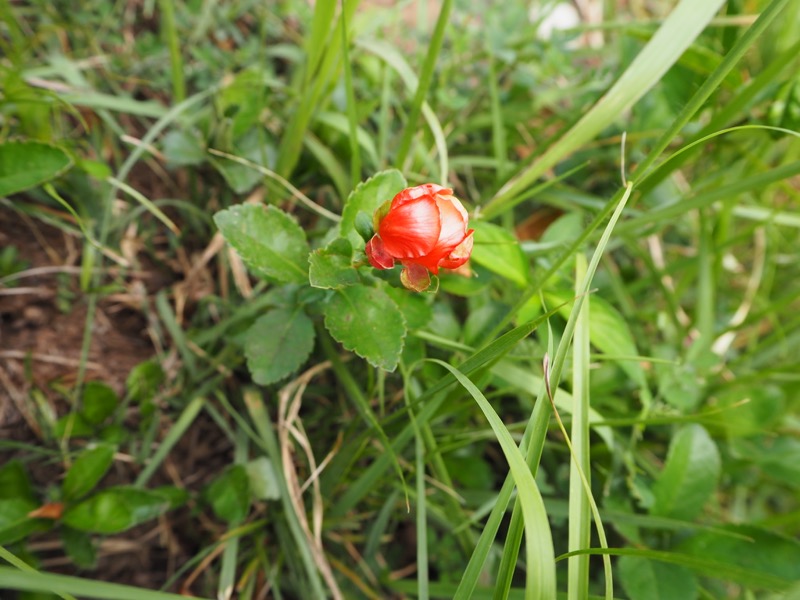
(43, 316)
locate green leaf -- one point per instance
(15, 524)
(229, 495)
(78, 546)
(116, 509)
(498, 250)
(764, 551)
(368, 322)
(415, 307)
(99, 402)
(27, 164)
(87, 470)
(689, 476)
(182, 149)
(243, 177)
(278, 343)
(645, 579)
(331, 267)
(367, 197)
(269, 241)
(74, 423)
(263, 479)
(143, 380)
(14, 482)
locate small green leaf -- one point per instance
(269, 241)
(27, 164)
(229, 495)
(416, 308)
(87, 470)
(78, 546)
(645, 579)
(99, 402)
(263, 479)
(75, 424)
(252, 147)
(278, 343)
(689, 476)
(499, 251)
(331, 267)
(116, 509)
(368, 322)
(182, 149)
(15, 524)
(367, 197)
(14, 482)
(143, 380)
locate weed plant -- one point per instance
(606, 405)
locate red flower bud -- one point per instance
(425, 229)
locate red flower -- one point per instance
(425, 229)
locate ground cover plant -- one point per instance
(243, 353)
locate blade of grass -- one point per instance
(169, 30)
(709, 86)
(25, 567)
(684, 24)
(352, 117)
(85, 588)
(579, 512)
(174, 434)
(541, 575)
(230, 556)
(430, 400)
(265, 429)
(533, 441)
(425, 78)
(395, 60)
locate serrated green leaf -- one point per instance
(368, 322)
(331, 267)
(499, 251)
(229, 495)
(114, 510)
(645, 579)
(367, 197)
(99, 402)
(269, 241)
(689, 476)
(415, 307)
(27, 164)
(88, 469)
(278, 343)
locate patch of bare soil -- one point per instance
(43, 316)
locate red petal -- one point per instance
(415, 277)
(413, 193)
(411, 229)
(460, 253)
(377, 255)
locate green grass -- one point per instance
(607, 408)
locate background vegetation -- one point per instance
(180, 417)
